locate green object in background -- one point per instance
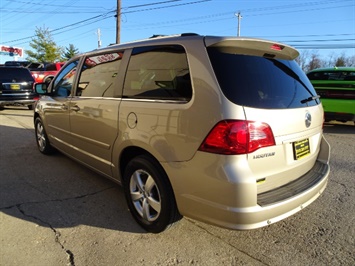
(336, 87)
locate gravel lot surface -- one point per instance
(53, 211)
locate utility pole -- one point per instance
(98, 38)
(239, 16)
(118, 22)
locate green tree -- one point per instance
(69, 52)
(45, 49)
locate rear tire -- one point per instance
(149, 195)
(41, 138)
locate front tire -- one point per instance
(149, 195)
(41, 138)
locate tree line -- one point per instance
(46, 50)
(309, 60)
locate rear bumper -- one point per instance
(260, 216)
(18, 99)
(16, 102)
(234, 203)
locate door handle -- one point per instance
(75, 108)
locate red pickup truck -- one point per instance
(47, 73)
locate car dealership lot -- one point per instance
(53, 211)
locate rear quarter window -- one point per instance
(158, 72)
(260, 82)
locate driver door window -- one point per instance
(63, 83)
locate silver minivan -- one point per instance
(224, 130)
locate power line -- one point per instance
(322, 46)
(299, 10)
(315, 3)
(42, 4)
(214, 17)
(113, 12)
(61, 28)
(322, 40)
(109, 13)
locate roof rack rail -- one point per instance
(157, 36)
(182, 35)
(189, 34)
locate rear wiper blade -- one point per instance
(294, 75)
(310, 99)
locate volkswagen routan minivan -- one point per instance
(224, 130)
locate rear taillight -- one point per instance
(231, 137)
(38, 77)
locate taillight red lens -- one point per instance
(231, 137)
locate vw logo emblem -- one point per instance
(308, 119)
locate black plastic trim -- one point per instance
(305, 182)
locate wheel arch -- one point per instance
(128, 154)
(172, 213)
(133, 151)
(35, 115)
(49, 76)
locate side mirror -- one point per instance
(41, 88)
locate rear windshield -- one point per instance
(260, 82)
(14, 74)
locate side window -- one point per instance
(158, 72)
(51, 67)
(332, 75)
(98, 75)
(63, 83)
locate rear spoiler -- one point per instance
(252, 46)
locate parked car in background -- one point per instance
(16, 87)
(27, 64)
(224, 130)
(17, 63)
(47, 73)
(336, 87)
